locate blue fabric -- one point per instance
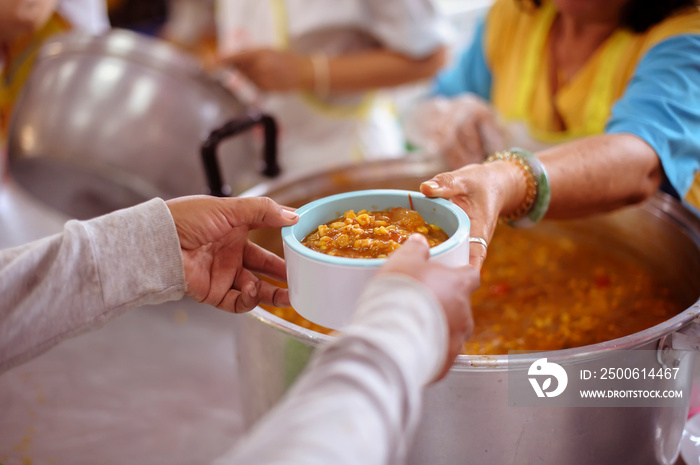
(661, 105)
(469, 73)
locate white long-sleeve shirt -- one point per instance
(359, 400)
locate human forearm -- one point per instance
(78, 280)
(276, 71)
(591, 175)
(359, 400)
(600, 173)
(380, 68)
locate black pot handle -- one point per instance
(231, 128)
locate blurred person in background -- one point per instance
(24, 26)
(606, 93)
(321, 69)
(190, 25)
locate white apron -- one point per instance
(315, 133)
(85, 15)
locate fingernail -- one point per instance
(431, 184)
(253, 291)
(417, 237)
(288, 214)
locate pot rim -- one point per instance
(661, 205)
(501, 362)
(291, 234)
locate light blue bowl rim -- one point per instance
(460, 235)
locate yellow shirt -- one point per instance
(515, 49)
(517, 55)
(19, 61)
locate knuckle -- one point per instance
(446, 179)
(267, 202)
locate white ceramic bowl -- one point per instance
(323, 288)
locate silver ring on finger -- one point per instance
(479, 240)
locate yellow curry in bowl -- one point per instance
(371, 234)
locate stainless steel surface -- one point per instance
(23, 218)
(109, 121)
(156, 386)
(466, 417)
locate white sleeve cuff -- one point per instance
(138, 256)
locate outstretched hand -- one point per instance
(474, 189)
(485, 191)
(453, 288)
(219, 259)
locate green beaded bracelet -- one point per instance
(544, 192)
(538, 192)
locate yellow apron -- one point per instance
(516, 49)
(20, 56)
(315, 133)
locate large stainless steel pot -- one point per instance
(108, 121)
(467, 419)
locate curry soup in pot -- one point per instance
(544, 291)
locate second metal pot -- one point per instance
(109, 121)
